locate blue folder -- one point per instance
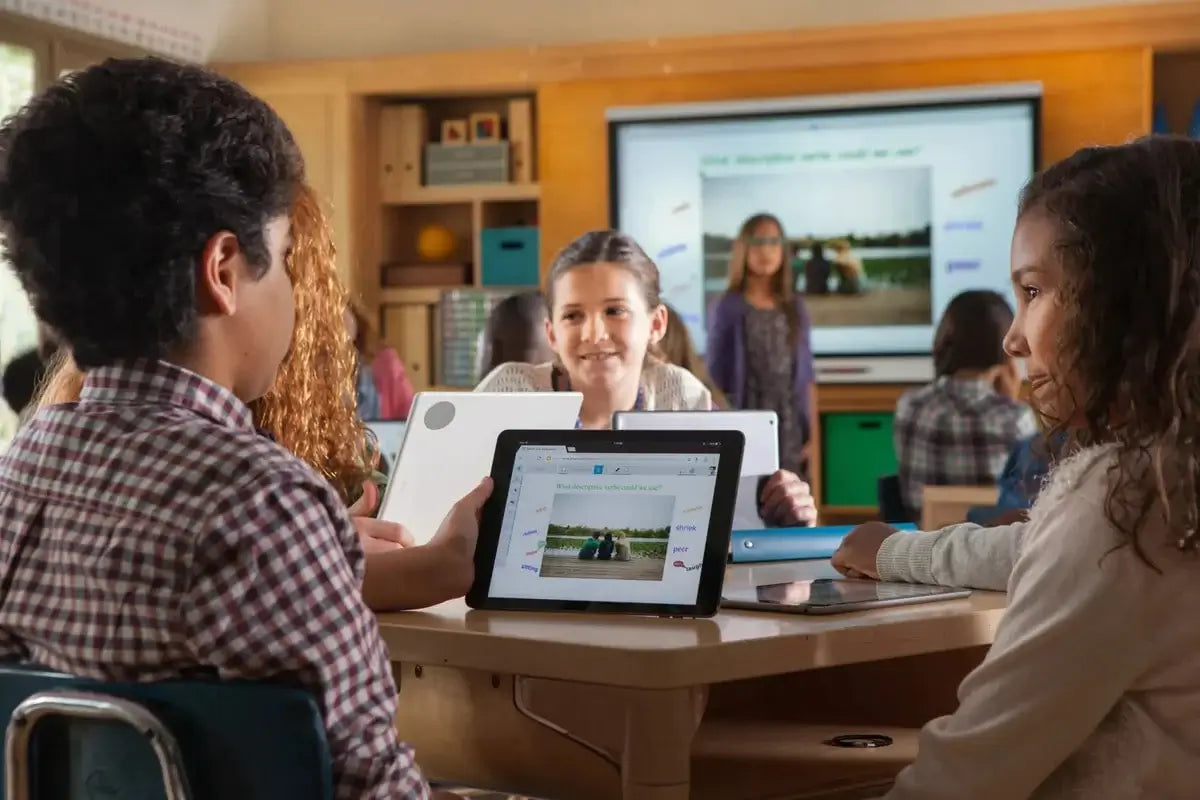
(790, 544)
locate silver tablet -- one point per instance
(761, 429)
(834, 595)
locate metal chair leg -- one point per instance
(93, 706)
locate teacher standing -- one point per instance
(759, 351)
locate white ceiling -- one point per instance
(298, 29)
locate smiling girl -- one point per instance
(606, 320)
(605, 323)
(1092, 685)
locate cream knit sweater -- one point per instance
(1092, 687)
(665, 387)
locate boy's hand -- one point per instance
(455, 538)
(375, 535)
(787, 500)
(856, 556)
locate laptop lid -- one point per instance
(449, 443)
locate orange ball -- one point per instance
(435, 243)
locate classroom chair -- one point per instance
(891, 500)
(71, 738)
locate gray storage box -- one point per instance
(456, 164)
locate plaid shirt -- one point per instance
(148, 532)
(956, 432)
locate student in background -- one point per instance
(960, 429)
(21, 379)
(676, 348)
(382, 386)
(515, 332)
(25, 374)
(1019, 483)
(240, 560)
(1092, 687)
(1024, 472)
(605, 319)
(758, 341)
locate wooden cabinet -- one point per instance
(320, 122)
(408, 328)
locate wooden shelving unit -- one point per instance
(409, 313)
(477, 193)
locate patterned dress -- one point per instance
(770, 381)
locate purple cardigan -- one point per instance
(726, 356)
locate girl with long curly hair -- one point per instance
(1092, 686)
(310, 411)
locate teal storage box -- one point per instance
(858, 450)
(509, 256)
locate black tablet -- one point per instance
(628, 521)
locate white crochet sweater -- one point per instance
(665, 387)
(1092, 687)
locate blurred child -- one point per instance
(677, 348)
(383, 388)
(515, 332)
(960, 429)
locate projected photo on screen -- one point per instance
(860, 239)
(892, 203)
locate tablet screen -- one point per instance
(625, 523)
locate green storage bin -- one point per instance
(858, 450)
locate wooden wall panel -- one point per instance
(1090, 97)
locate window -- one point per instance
(32, 54)
(18, 73)
(18, 326)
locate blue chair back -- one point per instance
(252, 741)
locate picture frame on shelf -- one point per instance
(485, 127)
(454, 131)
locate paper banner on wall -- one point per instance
(182, 29)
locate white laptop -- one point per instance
(761, 456)
(449, 443)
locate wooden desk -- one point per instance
(590, 706)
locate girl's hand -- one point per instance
(1008, 379)
(857, 554)
(375, 535)
(788, 501)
